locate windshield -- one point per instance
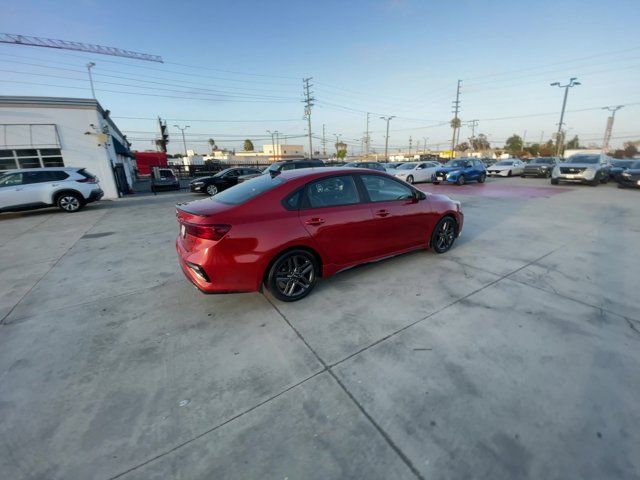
(623, 163)
(584, 159)
(456, 163)
(504, 163)
(407, 166)
(247, 190)
(541, 161)
(274, 167)
(352, 165)
(635, 165)
(222, 172)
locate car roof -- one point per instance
(311, 173)
(43, 169)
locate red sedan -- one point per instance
(284, 231)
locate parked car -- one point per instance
(460, 171)
(220, 181)
(582, 168)
(164, 179)
(68, 188)
(506, 168)
(285, 231)
(413, 172)
(540, 167)
(619, 166)
(370, 165)
(631, 176)
(285, 165)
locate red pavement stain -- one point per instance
(494, 190)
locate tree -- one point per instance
(462, 147)
(212, 144)
(248, 145)
(455, 123)
(513, 144)
(533, 149)
(341, 154)
(480, 143)
(630, 149)
(573, 143)
(341, 146)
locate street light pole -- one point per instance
(386, 138)
(572, 83)
(90, 65)
(184, 142)
(609, 129)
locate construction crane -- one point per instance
(80, 47)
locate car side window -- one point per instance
(288, 166)
(11, 180)
(232, 173)
(332, 192)
(383, 189)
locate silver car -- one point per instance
(592, 169)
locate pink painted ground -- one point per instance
(493, 189)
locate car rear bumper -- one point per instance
(95, 195)
(212, 272)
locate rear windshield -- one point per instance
(245, 191)
(542, 161)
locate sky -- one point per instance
(234, 70)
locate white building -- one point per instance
(71, 132)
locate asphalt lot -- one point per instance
(515, 355)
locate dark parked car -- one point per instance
(540, 167)
(619, 166)
(283, 166)
(164, 179)
(631, 176)
(370, 165)
(220, 181)
(461, 171)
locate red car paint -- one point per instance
(254, 233)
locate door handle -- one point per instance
(314, 221)
(383, 213)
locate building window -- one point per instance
(30, 158)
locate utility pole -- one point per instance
(410, 144)
(455, 122)
(308, 103)
(324, 143)
(541, 136)
(386, 138)
(425, 144)
(273, 143)
(524, 138)
(184, 142)
(90, 65)
(609, 129)
(572, 83)
(473, 124)
(366, 136)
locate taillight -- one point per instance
(87, 180)
(208, 232)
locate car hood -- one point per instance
(579, 165)
(501, 167)
(538, 165)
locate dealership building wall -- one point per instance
(71, 132)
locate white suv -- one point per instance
(29, 188)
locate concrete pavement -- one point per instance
(514, 355)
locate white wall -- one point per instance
(78, 149)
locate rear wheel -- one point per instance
(554, 181)
(410, 179)
(70, 202)
(461, 180)
(212, 190)
(293, 275)
(436, 183)
(444, 234)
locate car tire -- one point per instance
(461, 180)
(482, 178)
(548, 174)
(554, 181)
(410, 179)
(443, 235)
(595, 182)
(436, 183)
(509, 173)
(211, 190)
(70, 202)
(293, 275)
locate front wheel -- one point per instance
(554, 181)
(410, 179)
(436, 183)
(461, 180)
(70, 202)
(293, 275)
(443, 235)
(509, 173)
(482, 178)
(212, 190)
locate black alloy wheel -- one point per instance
(443, 235)
(293, 275)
